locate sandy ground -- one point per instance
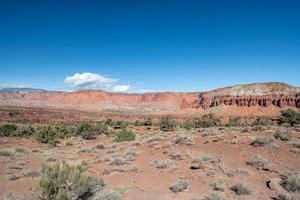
(224, 155)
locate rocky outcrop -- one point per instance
(287, 100)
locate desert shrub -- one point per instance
(167, 123)
(261, 121)
(257, 161)
(280, 135)
(85, 130)
(290, 117)
(179, 186)
(109, 122)
(148, 122)
(176, 155)
(62, 181)
(63, 131)
(295, 196)
(122, 124)
(117, 161)
(12, 177)
(234, 122)
(124, 135)
(6, 153)
(24, 131)
(214, 196)
(241, 189)
(219, 185)
(208, 120)
(107, 194)
(181, 139)
(7, 130)
(291, 182)
(46, 135)
(162, 164)
(262, 141)
(188, 125)
(137, 123)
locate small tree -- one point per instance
(167, 123)
(290, 117)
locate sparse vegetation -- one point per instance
(167, 123)
(162, 164)
(219, 185)
(241, 189)
(180, 186)
(257, 161)
(125, 135)
(6, 153)
(281, 135)
(214, 196)
(262, 141)
(207, 120)
(107, 194)
(261, 121)
(290, 117)
(291, 182)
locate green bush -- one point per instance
(208, 120)
(188, 125)
(261, 121)
(290, 117)
(85, 130)
(167, 123)
(125, 135)
(24, 131)
(7, 130)
(46, 135)
(63, 182)
(234, 121)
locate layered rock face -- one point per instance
(285, 100)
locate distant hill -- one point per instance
(247, 99)
(23, 90)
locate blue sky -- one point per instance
(156, 45)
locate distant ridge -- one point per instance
(23, 90)
(247, 99)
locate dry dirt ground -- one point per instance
(145, 169)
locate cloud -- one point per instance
(90, 80)
(121, 88)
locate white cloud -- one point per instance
(121, 88)
(91, 80)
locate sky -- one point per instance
(145, 46)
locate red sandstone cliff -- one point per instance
(251, 96)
